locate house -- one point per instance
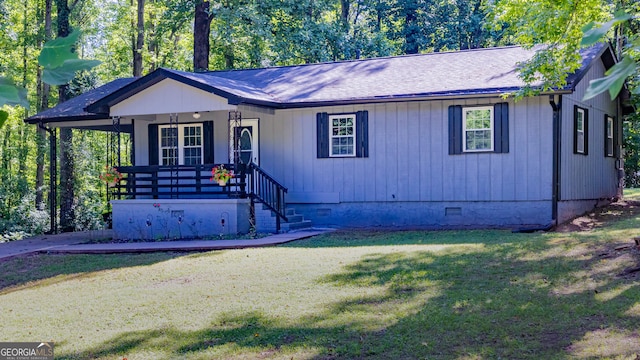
(416, 141)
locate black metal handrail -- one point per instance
(268, 191)
(157, 181)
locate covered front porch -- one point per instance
(178, 131)
(183, 201)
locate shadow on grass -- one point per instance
(345, 238)
(524, 300)
(20, 270)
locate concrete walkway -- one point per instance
(71, 243)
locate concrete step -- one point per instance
(295, 218)
(305, 224)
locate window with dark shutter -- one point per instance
(580, 130)
(475, 129)
(187, 144)
(342, 135)
(609, 136)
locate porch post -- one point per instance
(235, 122)
(115, 120)
(53, 175)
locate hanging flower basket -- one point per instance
(221, 175)
(110, 176)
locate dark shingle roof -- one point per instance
(73, 109)
(490, 72)
(464, 72)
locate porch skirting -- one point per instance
(165, 219)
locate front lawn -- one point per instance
(346, 295)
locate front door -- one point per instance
(247, 140)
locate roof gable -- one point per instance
(169, 96)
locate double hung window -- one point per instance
(609, 137)
(478, 128)
(180, 145)
(580, 130)
(342, 135)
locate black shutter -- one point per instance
(575, 129)
(207, 141)
(362, 134)
(616, 143)
(501, 128)
(586, 132)
(153, 145)
(455, 129)
(322, 134)
(606, 139)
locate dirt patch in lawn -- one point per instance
(625, 250)
(601, 216)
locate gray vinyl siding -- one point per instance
(408, 156)
(592, 176)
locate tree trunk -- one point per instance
(201, 30)
(138, 44)
(152, 41)
(24, 143)
(344, 14)
(67, 215)
(43, 104)
(411, 32)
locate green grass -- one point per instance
(346, 295)
(632, 194)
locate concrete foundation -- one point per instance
(432, 215)
(179, 218)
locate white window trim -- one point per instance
(331, 137)
(181, 142)
(582, 143)
(610, 130)
(464, 128)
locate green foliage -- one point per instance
(632, 153)
(556, 28)
(56, 52)
(12, 95)
(616, 76)
(594, 32)
(61, 62)
(24, 219)
(614, 79)
(3, 117)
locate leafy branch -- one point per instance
(616, 76)
(60, 64)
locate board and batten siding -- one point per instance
(408, 156)
(592, 176)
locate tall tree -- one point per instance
(138, 42)
(43, 90)
(201, 35)
(411, 31)
(67, 197)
